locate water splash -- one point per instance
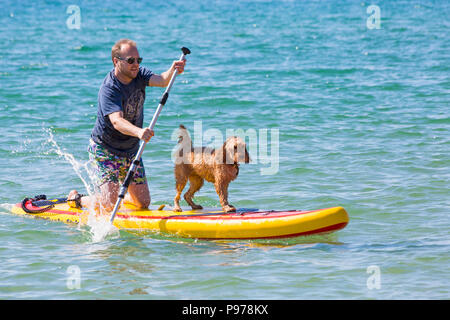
(78, 166)
(97, 223)
(100, 228)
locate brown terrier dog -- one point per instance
(219, 166)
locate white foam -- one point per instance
(100, 227)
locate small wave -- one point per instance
(393, 86)
(84, 48)
(332, 71)
(34, 66)
(6, 207)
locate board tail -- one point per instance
(40, 204)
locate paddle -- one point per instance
(136, 161)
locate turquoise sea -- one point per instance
(355, 103)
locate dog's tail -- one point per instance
(184, 138)
(184, 146)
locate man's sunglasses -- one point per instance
(131, 60)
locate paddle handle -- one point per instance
(162, 102)
(165, 95)
(137, 158)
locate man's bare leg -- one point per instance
(138, 195)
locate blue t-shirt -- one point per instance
(129, 98)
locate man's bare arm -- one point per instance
(124, 126)
(163, 79)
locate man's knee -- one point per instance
(109, 195)
(108, 204)
(140, 195)
(143, 202)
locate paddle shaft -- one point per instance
(137, 158)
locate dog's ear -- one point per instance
(218, 155)
(233, 152)
(224, 153)
(247, 156)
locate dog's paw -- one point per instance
(197, 207)
(229, 208)
(177, 209)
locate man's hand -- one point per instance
(146, 134)
(178, 65)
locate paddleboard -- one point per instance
(203, 224)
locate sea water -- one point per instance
(342, 103)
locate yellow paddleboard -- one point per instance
(206, 223)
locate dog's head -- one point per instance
(234, 151)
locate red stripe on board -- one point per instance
(331, 228)
(63, 212)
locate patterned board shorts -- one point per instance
(112, 168)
